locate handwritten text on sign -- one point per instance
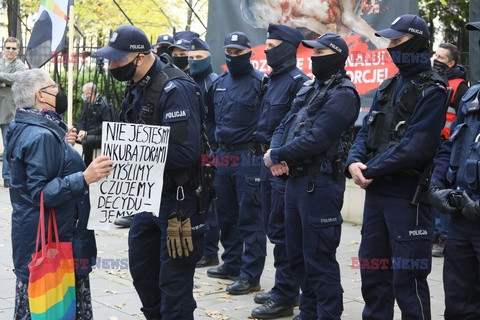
(135, 184)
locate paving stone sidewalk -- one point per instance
(114, 297)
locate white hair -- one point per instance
(26, 84)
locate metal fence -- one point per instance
(85, 69)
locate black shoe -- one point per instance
(262, 297)
(220, 273)
(207, 262)
(242, 286)
(6, 183)
(297, 318)
(272, 310)
(125, 222)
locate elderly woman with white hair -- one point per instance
(41, 159)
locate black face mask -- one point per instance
(412, 51)
(125, 72)
(61, 101)
(282, 56)
(323, 67)
(440, 67)
(161, 50)
(238, 65)
(180, 62)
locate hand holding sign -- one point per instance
(98, 169)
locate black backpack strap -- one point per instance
(148, 114)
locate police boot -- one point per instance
(221, 273)
(207, 262)
(125, 222)
(242, 286)
(272, 310)
(262, 297)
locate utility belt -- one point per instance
(324, 167)
(234, 147)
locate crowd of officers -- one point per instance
(253, 156)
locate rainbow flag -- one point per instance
(48, 33)
(51, 288)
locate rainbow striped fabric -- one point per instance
(51, 288)
(51, 285)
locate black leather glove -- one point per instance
(439, 198)
(471, 209)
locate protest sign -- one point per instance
(135, 184)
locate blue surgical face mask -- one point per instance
(84, 97)
(199, 66)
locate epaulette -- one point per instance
(471, 92)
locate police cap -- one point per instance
(473, 26)
(182, 39)
(284, 33)
(237, 40)
(198, 44)
(407, 23)
(164, 39)
(124, 40)
(329, 40)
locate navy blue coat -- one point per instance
(277, 101)
(442, 160)
(179, 107)
(41, 159)
(415, 149)
(339, 112)
(234, 107)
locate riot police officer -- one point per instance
(234, 107)
(162, 275)
(164, 41)
(283, 84)
(201, 71)
(179, 48)
(309, 146)
(390, 159)
(455, 190)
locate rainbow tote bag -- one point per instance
(51, 286)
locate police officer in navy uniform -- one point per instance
(307, 147)
(283, 84)
(390, 159)
(234, 107)
(163, 42)
(455, 190)
(201, 71)
(179, 48)
(162, 275)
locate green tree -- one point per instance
(448, 19)
(98, 18)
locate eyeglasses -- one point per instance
(10, 48)
(50, 86)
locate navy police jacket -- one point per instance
(415, 149)
(234, 107)
(308, 132)
(179, 107)
(277, 101)
(456, 163)
(41, 159)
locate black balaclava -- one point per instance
(282, 57)
(239, 65)
(323, 67)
